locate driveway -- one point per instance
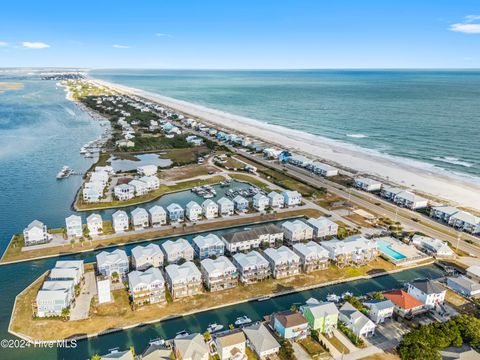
(81, 309)
(300, 353)
(388, 335)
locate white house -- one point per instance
(356, 321)
(312, 255)
(94, 224)
(275, 200)
(151, 182)
(428, 292)
(140, 218)
(124, 192)
(147, 170)
(92, 191)
(178, 249)
(354, 250)
(103, 289)
(68, 270)
(219, 274)
(191, 347)
(109, 263)
(51, 302)
(367, 184)
(208, 246)
(443, 212)
(389, 192)
(36, 233)
(231, 345)
(323, 227)
(146, 286)
(323, 169)
(292, 198)
(74, 226)
(147, 256)
(297, 230)
(158, 216)
(465, 221)
(260, 202)
(379, 310)
(193, 211)
(252, 267)
(225, 206)
(101, 177)
(261, 340)
(183, 280)
(241, 204)
(120, 221)
(436, 247)
(139, 186)
(283, 261)
(410, 200)
(251, 239)
(210, 209)
(175, 213)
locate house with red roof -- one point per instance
(404, 303)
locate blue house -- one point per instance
(284, 156)
(240, 203)
(290, 325)
(175, 212)
(208, 246)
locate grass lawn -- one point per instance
(250, 354)
(338, 345)
(153, 195)
(252, 180)
(186, 155)
(187, 172)
(15, 253)
(119, 313)
(312, 347)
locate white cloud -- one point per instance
(470, 25)
(163, 35)
(35, 45)
(3, 43)
(116, 46)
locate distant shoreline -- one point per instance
(353, 159)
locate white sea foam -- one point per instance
(453, 160)
(357, 136)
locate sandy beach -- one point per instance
(421, 177)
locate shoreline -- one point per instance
(197, 311)
(407, 173)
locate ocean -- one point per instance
(431, 117)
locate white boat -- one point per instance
(347, 294)
(214, 327)
(333, 297)
(242, 320)
(64, 172)
(181, 334)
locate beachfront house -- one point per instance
(252, 267)
(175, 213)
(147, 256)
(283, 262)
(231, 345)
(379, 310)
(74, 226)
(389, 192)
(291, 198)
(208, 246)
(240, 204)
(465, 221)
(176, 250)
(299, 160)
(261, 341)
(120, 221)
(266, 235)
(146, 287)
(183, 280)
(158, 216)
(210, 209)
(191, 347)
(226, 206)
(290, 325)
(323, 227)
(355, 250)
(109, 263)
(36, 233)
(151, 182)
(410, 200)
(435, 247)
(443, 212)
(140, 218)
(68, 270)
(321, 316)
(312, 256)
(219, 274)
(147, 170)
(464, 285)
(275, 200)
(322, 169)
(296, 231)
(428, 292)
(124, 192)
(405, 305)
(356, 321)
(193, 211)
(367, 184)
(94, 224)
(139, 186)
(260, 202)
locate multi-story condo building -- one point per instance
(355, 250)
(176, 250)
(147, 256)
(252, 267)
(296, 231)
(183, 280)
(68, 270)
(146, 286)
(323, 227)
(251, 239)
(283, 262)
(312, 256)
(208, 246)
(113, 262)
(219, 274)
(367, 184)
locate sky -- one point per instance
(246, 34)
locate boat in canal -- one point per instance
(214, 327)
(243, 320)
(181, 334)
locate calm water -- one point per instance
(39, 132)
(428, 116)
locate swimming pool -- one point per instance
(386, 248)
